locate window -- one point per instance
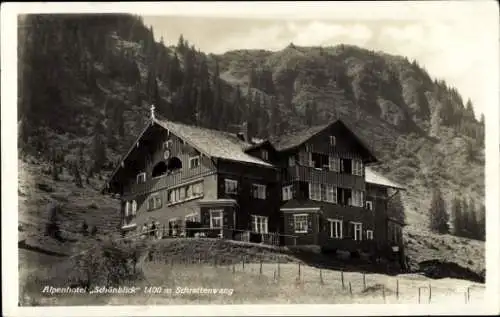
(291, 161)
(344, 196)
(198, 189)
(358, 230)
(167, 144)
(314, 191)
(300, 223)
(191, 218)
(333, 140)
(357, 167)
(259, 191)
(129, 213)
(369, 205)
(265, 155)
(319, 160)
(369, 234)
(187, 192)
(308, 148)
(216, 218)
(346, 166)
(335, 228)
(331, 193)
(141, 178)
(305, 158)
(154, 202)
(287, 192)
(334, 163)
(231, 186)
(357, 198)
(134, 208)
(259, 224)
(194, 162)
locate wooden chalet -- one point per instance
(313, 187)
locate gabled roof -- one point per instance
(295, 139)
(373, 177)
(213, 143)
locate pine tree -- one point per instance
(274, 120)
(99, 148)
(457, 217)
(481, 223)
(438, 217)
(217, 105)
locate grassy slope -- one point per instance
(253, 283)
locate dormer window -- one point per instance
(333, 140)
(264, 154)
(141, 178)
(194, 162)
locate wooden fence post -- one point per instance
(321, 277)
(364, 282)
(350, 289)
(279, 269)
(430, 293)
(397, 289)
(383, 291)
(298, 277)
(468, 294)
(243, 263)
(419, 295)
(260, 269)
(342, 277)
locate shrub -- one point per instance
(107, 264)
(93, 232)
(93, 206)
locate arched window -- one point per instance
(174, 163)
(160, 169)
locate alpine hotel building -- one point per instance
(310, 188)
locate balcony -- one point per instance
(323, 176)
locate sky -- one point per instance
(454, 41)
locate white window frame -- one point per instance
(315, 193)
(259, 191)
(230, 183)
(357, 167)
(156, 197)
(127, 207)
(265, 154)
(296, 220)
(260, 224)
(357, 230)
(140, 175)
(369, 205)
(196, 159)
(331, 194)
(336, 227)
(291, 161)
(369, 234)
(220, 218)
(333, 140)
(357, 198)
(334, 163)
(134, 207)
(287, 192)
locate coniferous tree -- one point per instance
(481, 223)
(274, 120)
(457, 213)
(99, 148)
(217, 105)
(438, 217)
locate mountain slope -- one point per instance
(86, 83)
